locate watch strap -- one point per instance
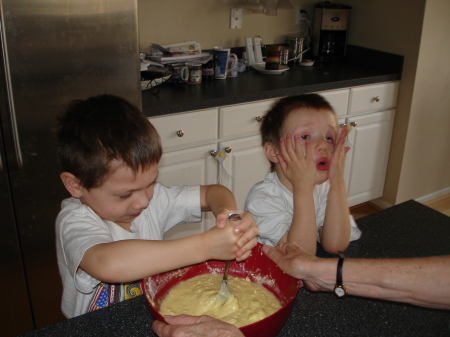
(339, 271)
(339, 288)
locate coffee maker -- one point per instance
(330, 31)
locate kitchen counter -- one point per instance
(362, 66)
(406, 230)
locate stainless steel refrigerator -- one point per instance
(52, 51)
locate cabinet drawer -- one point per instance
(373, 97)
(182, 130)
(338, 99)
(242, 119)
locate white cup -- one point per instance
(221, 57)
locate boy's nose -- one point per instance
(141, 201)
(322, 146)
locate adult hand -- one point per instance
(294, 261)
(187, 325)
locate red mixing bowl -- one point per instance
(283, 286)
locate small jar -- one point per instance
(273, 57)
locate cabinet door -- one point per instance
(243, 119)
(187, 129)
(371, 140)
(193, 166)
(348, 157)
(376, 97)
(338, 99)
(245, 165)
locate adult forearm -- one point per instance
(419, 281)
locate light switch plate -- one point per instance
(236, 18)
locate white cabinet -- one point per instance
(368, 156)
(245, 164)
(188, 167)
(189, 139)
(375, 97)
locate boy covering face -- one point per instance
(109, 233)
(303, 197)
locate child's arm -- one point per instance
(129, 260)
(220, 201)
(299, 168)
(335, 233)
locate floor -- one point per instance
(440, 204)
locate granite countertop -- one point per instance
(362, 66)
(409, 229)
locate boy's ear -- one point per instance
(271, 152)
(72, 184)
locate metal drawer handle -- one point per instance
(354, 124)
(259, 119)
(228, 149)
(180, 133)
(213, 153)
(342, 124)
(376, 99)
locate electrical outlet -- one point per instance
(236, 18)
(298, 15)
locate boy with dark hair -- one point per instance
(303, 197)
(109, 234)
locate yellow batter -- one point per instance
(197, 296)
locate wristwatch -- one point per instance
(339, 288)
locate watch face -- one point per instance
(339, 291)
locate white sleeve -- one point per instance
(176, 205)
(271, 215)
(77, 233)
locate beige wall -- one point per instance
(426, 159)
(419, 160)
(208, 22)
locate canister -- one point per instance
(295, 47)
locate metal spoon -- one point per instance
(224, 292)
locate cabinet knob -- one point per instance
(342, 124)
(213, 153)
(354, 124)
(259, 119)
(228, 149)
(180, 133)
(377, 98)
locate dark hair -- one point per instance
(273, 122)
(95, 131)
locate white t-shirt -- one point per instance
(272, 207)
(78, 228)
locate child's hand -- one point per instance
(297, 163)
(246, 231)
(337, 162)
(222, 242)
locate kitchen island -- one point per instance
(409, 229)
(362, 66)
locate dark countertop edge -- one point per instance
(264, 95)
(385, 62)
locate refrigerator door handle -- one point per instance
(10, 104)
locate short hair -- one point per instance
(94, 132)
(272, 126)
